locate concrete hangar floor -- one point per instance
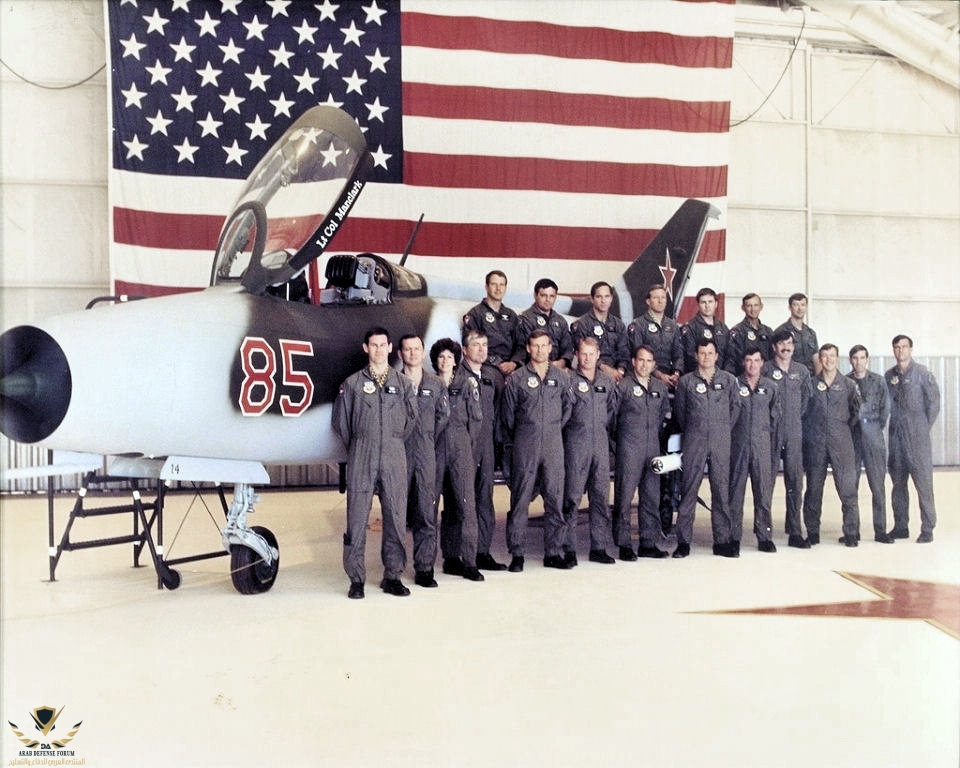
(653, 663)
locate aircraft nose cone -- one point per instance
(35, 384)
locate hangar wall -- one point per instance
(843, 182)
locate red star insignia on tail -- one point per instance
(668, 273)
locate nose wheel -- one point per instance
(249, 571)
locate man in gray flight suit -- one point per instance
(793, 386)
(703, 326)
(914, 406)
(497, 321)
(707, 405)
(869, 447)
(657, 331)
(586, 445)
(374, 413)
(749, 332)
(433, 411)
(456, 465)
(490, 382)
(752, 448)
(541, 316)
(608, 330)
(661, 333)
(643, 405)
(534, 410)
(806, 348)
(828, 438)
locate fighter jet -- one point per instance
(214, 385)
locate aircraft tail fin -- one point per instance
(665, 261)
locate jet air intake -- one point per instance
(35, 384)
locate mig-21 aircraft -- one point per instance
(211, 386)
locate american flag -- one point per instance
(535, 135)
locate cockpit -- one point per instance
(368, 279)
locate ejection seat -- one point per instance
(356, 279)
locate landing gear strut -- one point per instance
(254, 553)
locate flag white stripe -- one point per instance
(563, 142)
(549, 73)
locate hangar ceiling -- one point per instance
(923, 33)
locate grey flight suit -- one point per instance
(696, 329)
(457, 469)
(611, 334)
(641, 413)
(752, 455)
(374, 423)
(586, 445)
(706, 412)
(500, 326)
(433, 410)
(533, 413)
(664, 339)
(742, 336)
(828, 438)
(805, 344)
(793, 386)
(490, 381)
(914, 406)
(532, 319)
(661, 338)
(869, 446)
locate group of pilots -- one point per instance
(554, 405)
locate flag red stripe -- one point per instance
(506, 241)
(178, 231)
(533, 106)
(501, 241)
(485, 172)
(535, 37)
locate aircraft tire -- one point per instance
(249, 573)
